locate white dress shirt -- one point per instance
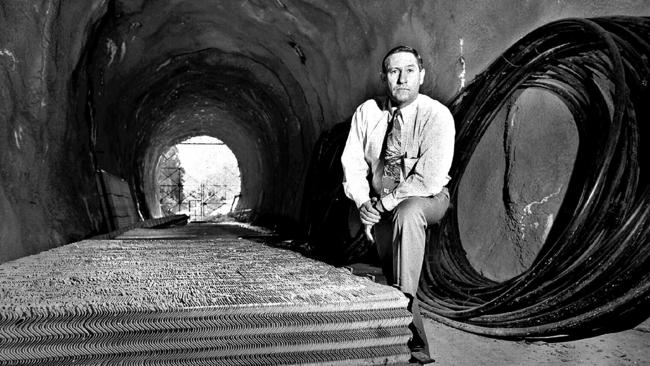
(427, 141)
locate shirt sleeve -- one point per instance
(355, 167)
(430, 173)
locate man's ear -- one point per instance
(382, 77)
(421, 76)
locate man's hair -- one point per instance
(401, 49)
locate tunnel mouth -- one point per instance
(199, 177)
(236, 98)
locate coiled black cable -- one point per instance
(591, 275)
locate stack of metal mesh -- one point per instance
(213, 301)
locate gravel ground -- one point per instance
(452, 347)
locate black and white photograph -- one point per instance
(325, 182)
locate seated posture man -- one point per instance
(396, 164)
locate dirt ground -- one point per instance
(450, 346)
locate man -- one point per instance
(396, 163)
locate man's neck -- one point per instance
(393, 104)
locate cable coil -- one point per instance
(592, 271)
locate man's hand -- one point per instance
(378, 206)
(369, 217)
(367, 229)
(369, 214)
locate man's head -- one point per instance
(403, 74)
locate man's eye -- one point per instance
(392, 72)
(410, 70)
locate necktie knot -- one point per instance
(396, 114)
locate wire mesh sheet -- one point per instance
(208, 299)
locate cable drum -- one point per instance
(591, 273)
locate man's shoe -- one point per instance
(421, 358)
(415, 344)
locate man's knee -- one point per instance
(410, 210)
(421, 210)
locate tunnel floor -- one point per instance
(195, 293)
(453, 347)
(204, 292)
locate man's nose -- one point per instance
(402, 77)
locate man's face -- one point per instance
(403, 78)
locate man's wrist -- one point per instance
(360, 203)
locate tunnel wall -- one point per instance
(322, 58)
(47, 187)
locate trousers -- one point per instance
(401, 241)
(400, 238)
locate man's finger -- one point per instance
(368, 232)
(373, 210)
(371, 214)
(368, 219)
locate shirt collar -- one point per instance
(408, 110)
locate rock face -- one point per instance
(515, 184)
(47, 188)
(97, 84)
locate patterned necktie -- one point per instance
(392, 155)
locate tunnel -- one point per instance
(93, 92)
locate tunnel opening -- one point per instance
(211, 93)
(199, 177)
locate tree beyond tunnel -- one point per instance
(198, 177)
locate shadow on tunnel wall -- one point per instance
(330, 223)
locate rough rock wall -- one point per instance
(47, 192)
(276, 73)
(516, 182)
